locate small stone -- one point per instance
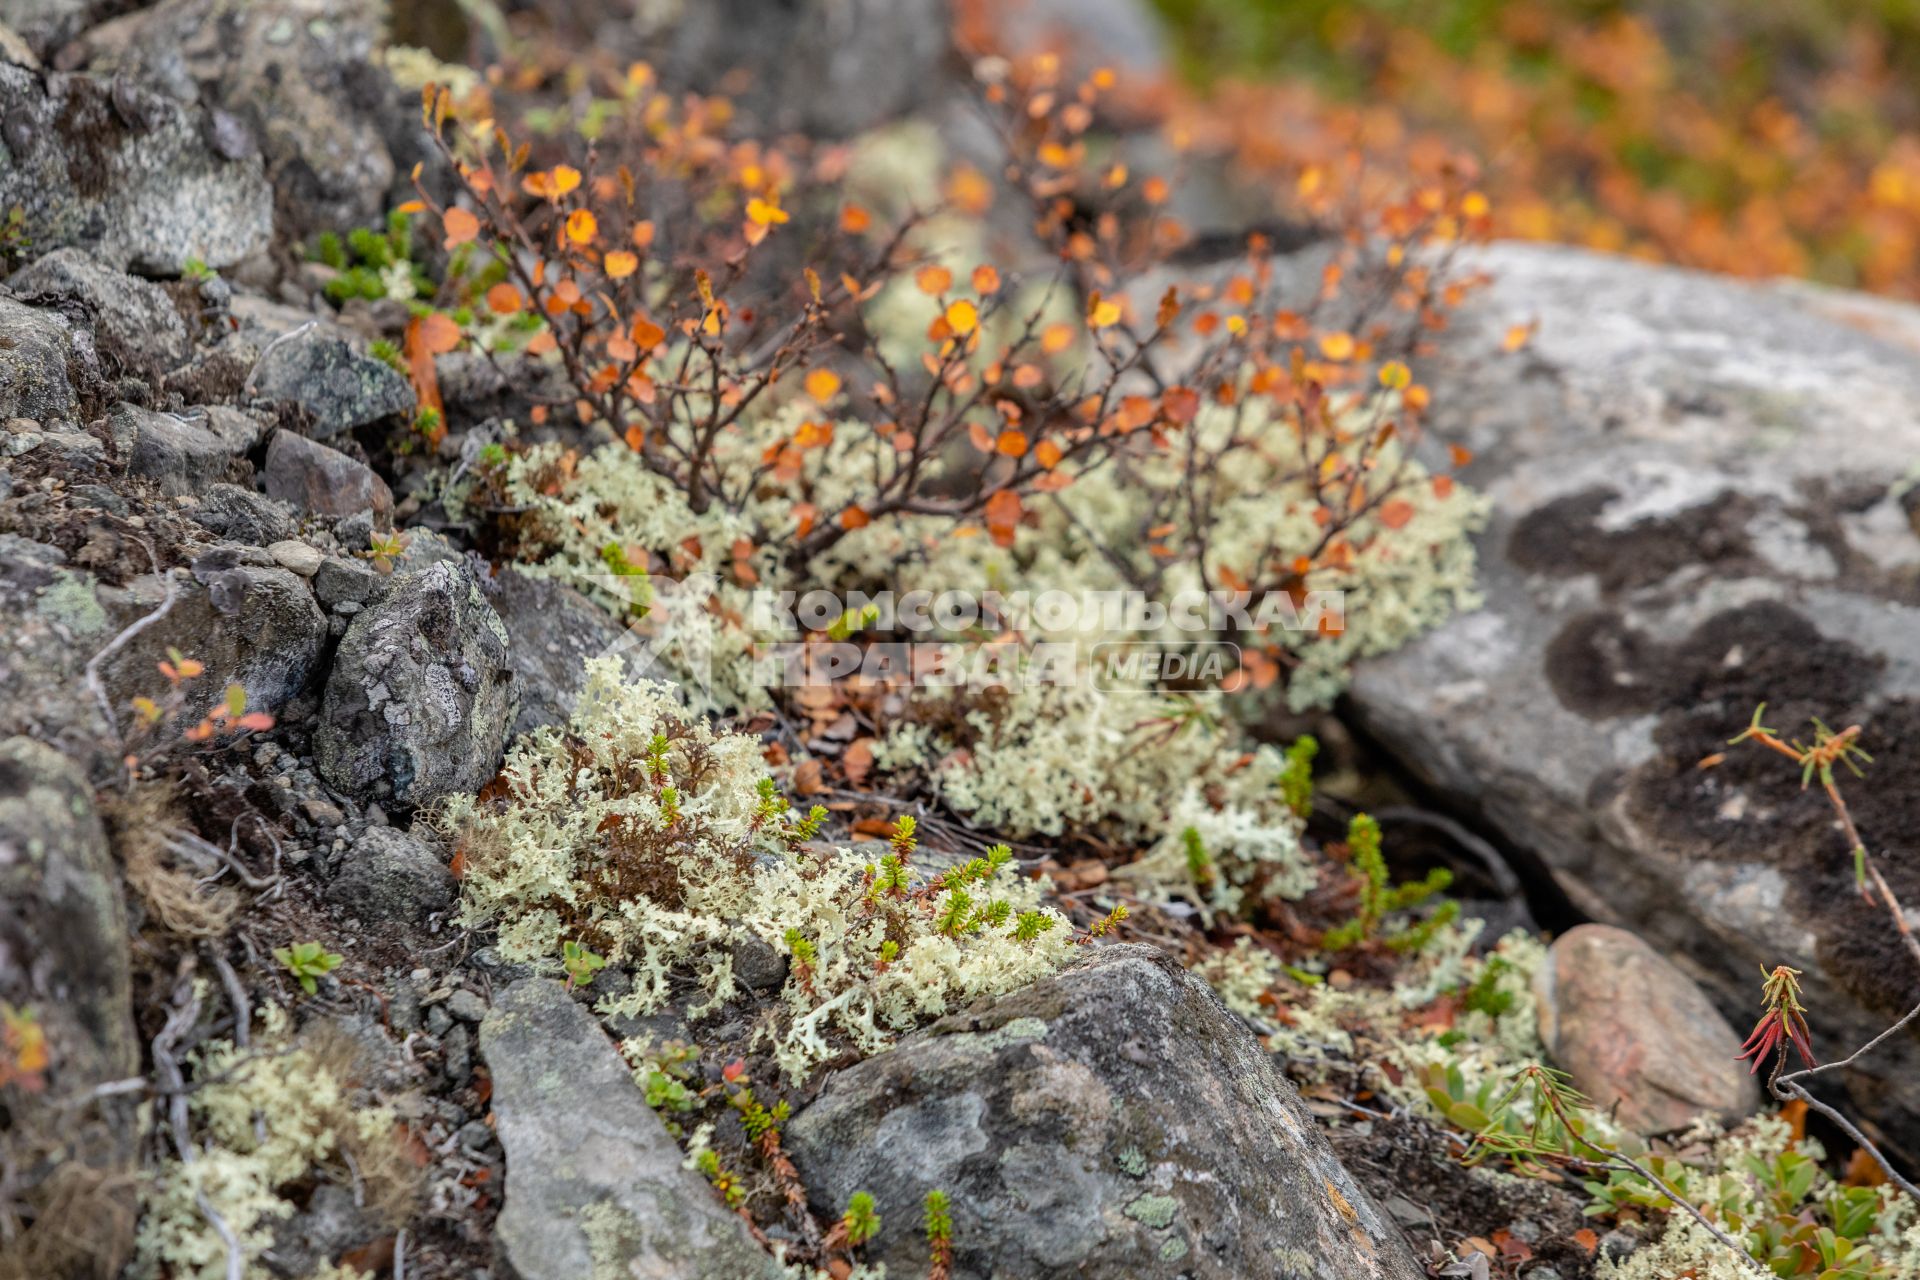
(297, 556)
(242, 515)
(756, 964)
(181, 457)
(322, 813)
(324, 481)
(466, 1006)
(341, 581)
(1638, 1036)
(135, 326)
(390, 877)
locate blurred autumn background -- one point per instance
(1757, 139)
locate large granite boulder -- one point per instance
(595, 1185)
(1114, 1121)
(1699, 505)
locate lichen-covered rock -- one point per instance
(293, 82)
(595, 1189)
(65, 961)
(35, 348)
(421, 692)
(334, 386)
(1639, 1037)
(554, 630)
(1111, 1121)
(136, 328)
(1700, 504)
(390, 877)
(125, 172)
(321, 480)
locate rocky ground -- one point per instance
(249, 655)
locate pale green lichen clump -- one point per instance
(644, 832)
(265, 1117)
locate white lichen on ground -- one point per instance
(264, 1117)
(664, 858)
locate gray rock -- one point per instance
(51, 621)
(242, 515)
(756, 965)
(249, 625)
(1111, 1121)
(1638, 1036)
(179, 456)
(321, 480)
(340, 580)
(35, 348)
(136, 328)
(421, 692)
(1695, 511)
(594, 1183)
(466, 1005)
(824, 67)
(46, 25)
(554, 630)
(389, 877)
(64, 955)
(292, 82)
(335, 386)
(126, 173)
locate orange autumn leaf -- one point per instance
(823, 384)
(962, 317)
(438, 332)
(620, 264)
(1395, 513)
(646, 334)
(1337, 346)
(1013, 444)
(461, 226)
(854, 219)
(503, 299)
(420, 370)
(855, 517)
(1047, 454)
(1056, 338)
(582, 226)
(933, 280)
(985, 280)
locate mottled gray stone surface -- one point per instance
(1698, 506)
(125, 172)
(421, 692)
(1113, 1121)
(136, 328)
(335, 387)
(594, 1188)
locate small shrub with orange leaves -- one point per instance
(774, 385)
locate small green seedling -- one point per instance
(580, 964)
(308, 962)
